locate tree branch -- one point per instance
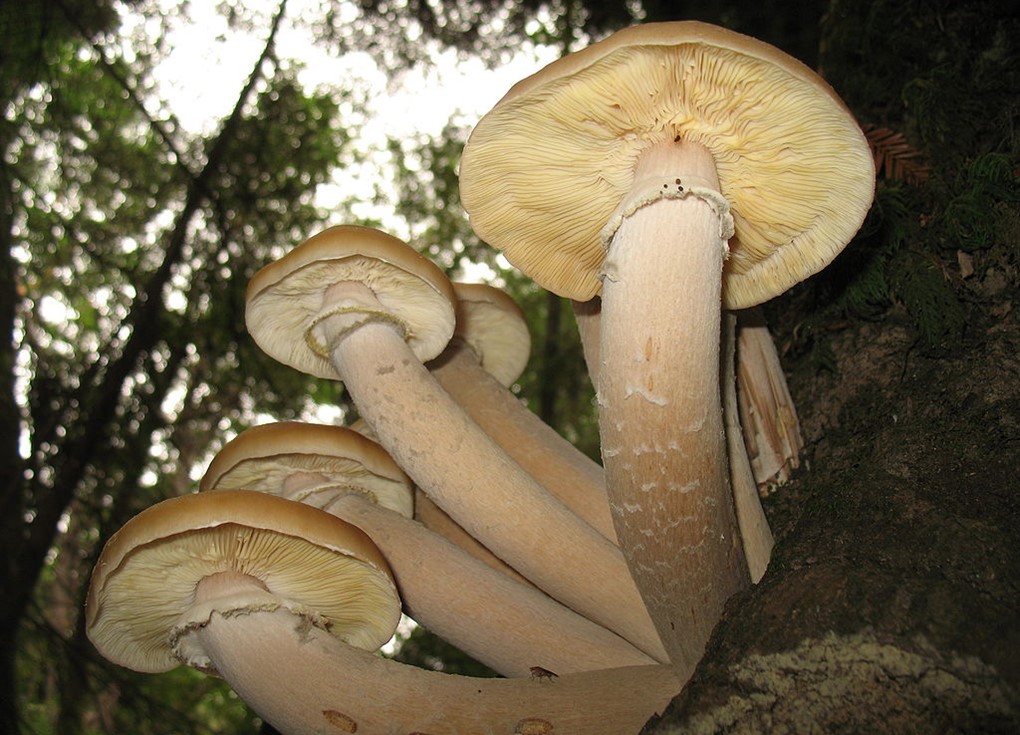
(98, 399)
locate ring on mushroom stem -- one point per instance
(348, 304)
(776, 177)
(494, 619)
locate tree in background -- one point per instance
(127, 245)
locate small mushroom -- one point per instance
(328, 461)
(676, 169)
(361, 306)
(488, 353)
(259, 551)
(498, 621)
(287, 603)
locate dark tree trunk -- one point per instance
(891, 604)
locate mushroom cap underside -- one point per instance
(546, 168)
(285, 298)
(263, 458)
(142, 591)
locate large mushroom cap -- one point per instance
(546, 168)
(142, 591)
(285, 298)
(263, 458)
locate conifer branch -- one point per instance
(895, 158)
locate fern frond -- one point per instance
(894, 157)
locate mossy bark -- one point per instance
(891, 604)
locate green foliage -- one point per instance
(490, 29)
(985, 187)
(128, 247)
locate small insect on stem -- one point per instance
(537, 672)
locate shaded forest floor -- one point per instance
(892, 601)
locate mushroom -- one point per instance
(506, 625)
(587, 317)
(239, 584)
(438, 521)
(327, 462)
(361, 306)
(767, 414)
(755, 534)
(676, 169)
(487, 354)
(498, 621)
(261, 552)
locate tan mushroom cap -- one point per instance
(142, 593)
(263, 457)
(285, 298)
(544, 171)
(493, 325)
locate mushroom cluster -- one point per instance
(662, 179)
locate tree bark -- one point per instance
(891, 602)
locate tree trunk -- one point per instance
(891, 602)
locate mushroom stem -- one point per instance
(508, 626)
(452, 460)
(555, 463)
(587, 317)
(321, 685)
(438, 521)
(755, 534)
(663, 436)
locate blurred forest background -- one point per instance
(127, 240)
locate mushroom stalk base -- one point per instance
(663, 437)
(320, 685)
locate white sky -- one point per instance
(209, 64)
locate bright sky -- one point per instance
(210, 63)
